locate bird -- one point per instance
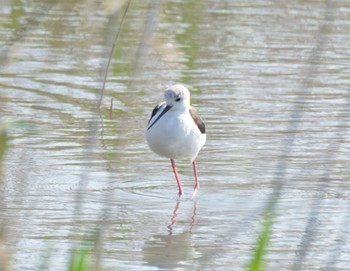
(176, 131)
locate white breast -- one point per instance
(175, 136)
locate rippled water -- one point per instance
(270, 79)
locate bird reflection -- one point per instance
(175, 213)
(172, 250)
(173, 218)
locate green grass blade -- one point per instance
(80, 260)
(258, 262)
(3, 142)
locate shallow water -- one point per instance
(271, 80)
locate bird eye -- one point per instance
(177, 99)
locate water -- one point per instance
(271, 81)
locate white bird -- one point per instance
(176, 131)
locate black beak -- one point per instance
(166, 109)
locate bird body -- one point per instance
(175, 130)
(175, 136)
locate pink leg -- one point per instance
(196, 187)
(177, 177)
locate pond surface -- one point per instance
(270, 79)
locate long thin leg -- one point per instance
(177, 177)
(196, 186)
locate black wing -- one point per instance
(197, 119)
(155, 110)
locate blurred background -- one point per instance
(78, 82)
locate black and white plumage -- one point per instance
(175, 129)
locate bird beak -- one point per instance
(166, 109)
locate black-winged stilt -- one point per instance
(176, 131)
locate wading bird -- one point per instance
(176, 131)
